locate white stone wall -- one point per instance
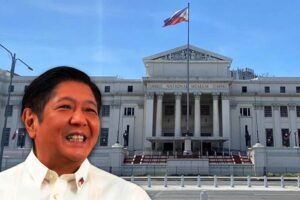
(136, 99)
(192, 166)
(258, 85)
(202, 69)
(275, 159)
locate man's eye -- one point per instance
(65, 107)
(91, 110)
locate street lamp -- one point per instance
(14, 59)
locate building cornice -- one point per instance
(180, 79)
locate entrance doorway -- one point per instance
(206, 147)
(168, 147)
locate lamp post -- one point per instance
(14, 59)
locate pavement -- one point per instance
(221, 188)
(224, 195)
(223, 184)
(190, 190)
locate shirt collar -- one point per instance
(36, 169)
(39, 171)
(81, 174)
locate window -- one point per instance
(12, 88)
(206, 134)
(21, 137)
(9, 110)
(298, 138)
(128, 111)
(247, 137)
(130, 88)
(298, 89)
(169, 109)
(298, 111)
(126, 136)
(107, 89)
(6, 133)
(283, 111)
(282, 89)
(105, 111)
(183, 108)
(204, 110)
(168, 134)
(25, 88)
(268, 111)
(267, 89)
(285, 137)
(269, 137)
(104, 137)
(245, 112)
(244, 89)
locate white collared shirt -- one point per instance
(32, 180)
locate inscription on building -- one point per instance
(178, 86)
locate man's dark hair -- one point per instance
(40, 89)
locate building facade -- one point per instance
(228, 109)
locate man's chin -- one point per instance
(76, 156)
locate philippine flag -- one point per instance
(179, 16)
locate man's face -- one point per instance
(70, 125)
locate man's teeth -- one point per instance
(75, 138)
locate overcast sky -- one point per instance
(111, 37)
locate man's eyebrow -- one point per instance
(73, 100)
(91, 102)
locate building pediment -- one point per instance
(173, 63)
(180, 54)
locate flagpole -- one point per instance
(180, 16)
(188, 76)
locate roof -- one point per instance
(179, 54)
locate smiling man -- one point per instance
(60, 110)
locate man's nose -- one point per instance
(78, 118)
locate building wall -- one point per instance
(178, 69)
(119, 95)
(256, 95)
(209, 76)
(271, 160)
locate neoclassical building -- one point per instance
(229, 110)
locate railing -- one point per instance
(161, 170)
(211, 170)
(162, 158)
(216, 181)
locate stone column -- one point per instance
(277, 130)
(254, 127)
(148, 120)
(260, 125)
(216, 115)
(159, 114)
(293, 128)
(226, 118)
(197, 118)
(178, 115)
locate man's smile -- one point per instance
(76, 138)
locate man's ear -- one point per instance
(31, 121)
